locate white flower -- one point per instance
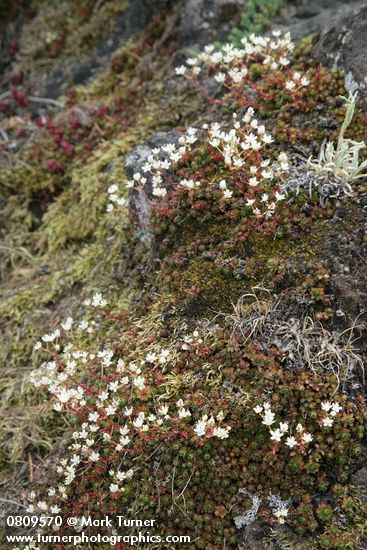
(181, 70)
(183, 413)
(159, 192)
(253, 182)
(304, 81)
(163, 410)
(94, 456)
(124, 430)
(227, 194)
(220, 77)
(98, 300)
(139, 382)
(326, 406)
(200, 427)
(279, 196)
(258, 409)
(335, 408)
(267, 174)
(50, 337)
(138, 422)
(290, 85)
(113, 386)
(221, 433)
(328, 422)
(55, 509)
(291, 442)
(283, 426)
(42, 505)
(214, 142)
(276, 435)
(110, 410)
(307, 438)
(128, 411)
(299, 428)
(113, 189)
(114, 487)
(164, 356)
(37, 346)
(269, 418)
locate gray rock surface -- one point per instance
(342, 43)
(254, 534)
(134, 19)
(203, 21)
(340, 29)
(312, 16)
(360, 477)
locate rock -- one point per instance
(139, 199)
(203, 21)
(134, 19)
(254, 534)
(342, 44)
(312, 16)
(360, 477)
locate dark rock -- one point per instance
(312, 16)
(203, 21)
(136, 17)
(343, 44)
(360, 477)
(254, 534)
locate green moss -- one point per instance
(257, 18)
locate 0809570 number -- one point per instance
(33, 521)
